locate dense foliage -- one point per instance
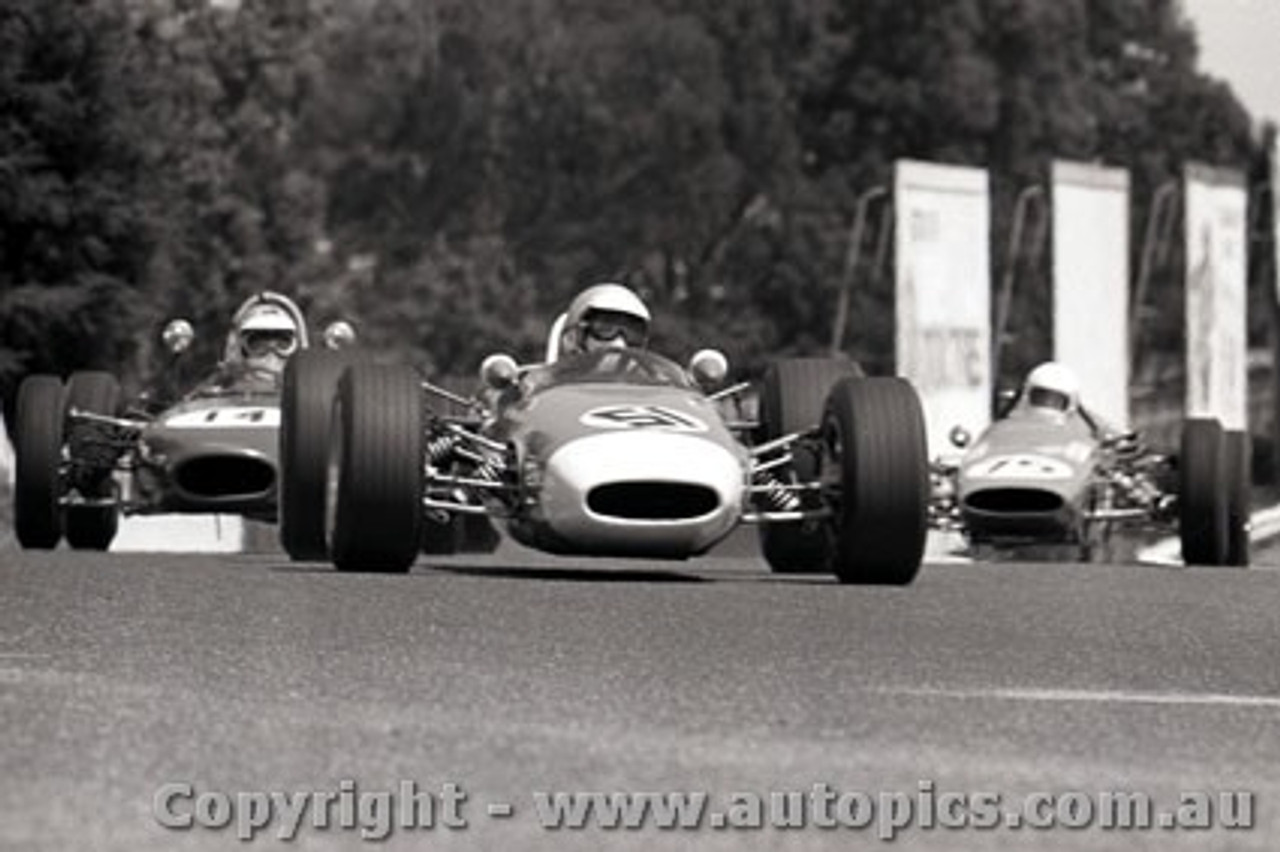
(447, 172)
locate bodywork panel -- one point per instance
(1028, 477)
(631, 462)
(210, 453)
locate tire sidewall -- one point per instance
(793, 394)
(307, 397)
(1203, 493)
(38, 485)
(874, 438)
(377, 511)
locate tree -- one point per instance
(75, 236)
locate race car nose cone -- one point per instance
(643, 493)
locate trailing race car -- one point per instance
(620, 452)
(82, 458)
(1049, 473)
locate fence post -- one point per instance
(852, 255)
(1004, 303)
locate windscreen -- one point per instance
(610, 366)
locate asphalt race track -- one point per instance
(507, 675)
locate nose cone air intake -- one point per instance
(642, 494)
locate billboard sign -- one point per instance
(1091, 283)
(1215, 204)
(943, 293)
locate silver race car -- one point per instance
(620, 452)
(1047, 479)
(84, 457)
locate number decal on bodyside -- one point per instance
(226, 418)
(1023, 466)
(642, 417)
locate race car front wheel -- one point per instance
(875, 454)
(1238, 455)
(37, 516)
(92, 527)
(792, 396)
(306, 398)
(1203, 496)
(376, 470)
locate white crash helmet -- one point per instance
(610, 314)
(1052, 386)
(265, 330)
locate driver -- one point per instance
(605, 316)
(264, 333)
(1053, 389)
(602, 318)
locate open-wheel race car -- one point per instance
(619, 452)
(84, 455)
(1036, 481)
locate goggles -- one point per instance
(259, 343)
(1045, 398)
(609, 326)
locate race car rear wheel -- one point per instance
(1203, 496)
(875, 450)
(306, 399)
(1238, 453)
(792, 396)
(37, 516)
(377, 469)
(92, 527)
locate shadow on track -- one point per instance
(638, 575)
(699, 571)
(569, 574)
(572, 574)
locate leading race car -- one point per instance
(1049, 475)
(83, 458)
(619, 452)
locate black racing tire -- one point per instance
(37, 488)
(378, 453)
(1203, 497)
(794, 391)
(93, 527)
(1238, 454)
(874, 439)
(306, 401)
(792, 395)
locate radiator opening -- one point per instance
(653, 501)
(1014, 501)
(225, 476)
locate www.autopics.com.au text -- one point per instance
(377, 814)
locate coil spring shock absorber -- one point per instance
(488, 466)
(439, 449)
(491, 469)
(775, 492)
